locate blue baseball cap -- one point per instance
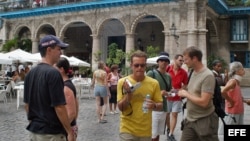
(51, 40)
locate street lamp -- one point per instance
(173, 33)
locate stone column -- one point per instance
(35, 45)
(168, 44)
(95, 51)
(130, 44)
(202, 44)
(192, 23)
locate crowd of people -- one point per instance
(148, 101)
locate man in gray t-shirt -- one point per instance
(201, 122)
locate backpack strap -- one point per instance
(185, 103)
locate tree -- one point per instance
(24, 44)
(115, 55)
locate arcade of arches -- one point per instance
(90, 31)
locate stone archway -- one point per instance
(77, 35)
(211, 38)
(149, 33)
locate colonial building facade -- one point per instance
(89, 27)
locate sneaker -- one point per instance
(112, 113)
(172, 138)
(116, 112)
(168, 138)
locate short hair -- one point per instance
(113, 67)
(43, 50)
(138, 53)
(215, 62)
(193, 52)
(234, 67)
(177, 56)
(101, 65)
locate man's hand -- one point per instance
(71, 137)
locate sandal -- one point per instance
(103, 121)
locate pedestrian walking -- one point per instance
(101, 90)
(201, 122)
(134, 90)
(164, 80)
(113, 78)
(179, 79)
(44, 96)
(234, 106)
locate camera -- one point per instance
(173, 92)
(129, 84)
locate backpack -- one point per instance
(217, 101)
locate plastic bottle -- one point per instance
(144, 106)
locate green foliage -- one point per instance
(247, 3)
(213, 57)
(115, 55)
(85, 71)
(152, 51)
(24, 44)
(238, 2)
(10, 44)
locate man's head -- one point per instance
(191, 55)
(138, 63)
(163, 60)
(50, 48)
(101, 65)
(50, 41)
(217, 65)
(178, 60)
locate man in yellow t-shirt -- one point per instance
(134, 124)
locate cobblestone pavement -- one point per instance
(13, 122)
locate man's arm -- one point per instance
(202, 101)
(125, 101)
(63, 117)
(71, 105)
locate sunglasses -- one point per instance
(141, 65)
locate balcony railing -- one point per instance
(14, 5)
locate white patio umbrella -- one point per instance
(79, 62)
(20, 55)
(152, 60)
(5, 59)
(38, 57)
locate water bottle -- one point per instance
(144, 106)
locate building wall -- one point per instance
(189, 16)
(219, 41)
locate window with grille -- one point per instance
(241, 56)
(239, 27)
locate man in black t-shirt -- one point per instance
(44, 97)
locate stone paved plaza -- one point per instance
(13, 122)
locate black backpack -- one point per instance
(217, 101)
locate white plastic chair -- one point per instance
(3, 97)
(78, 90)
(8, 91)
